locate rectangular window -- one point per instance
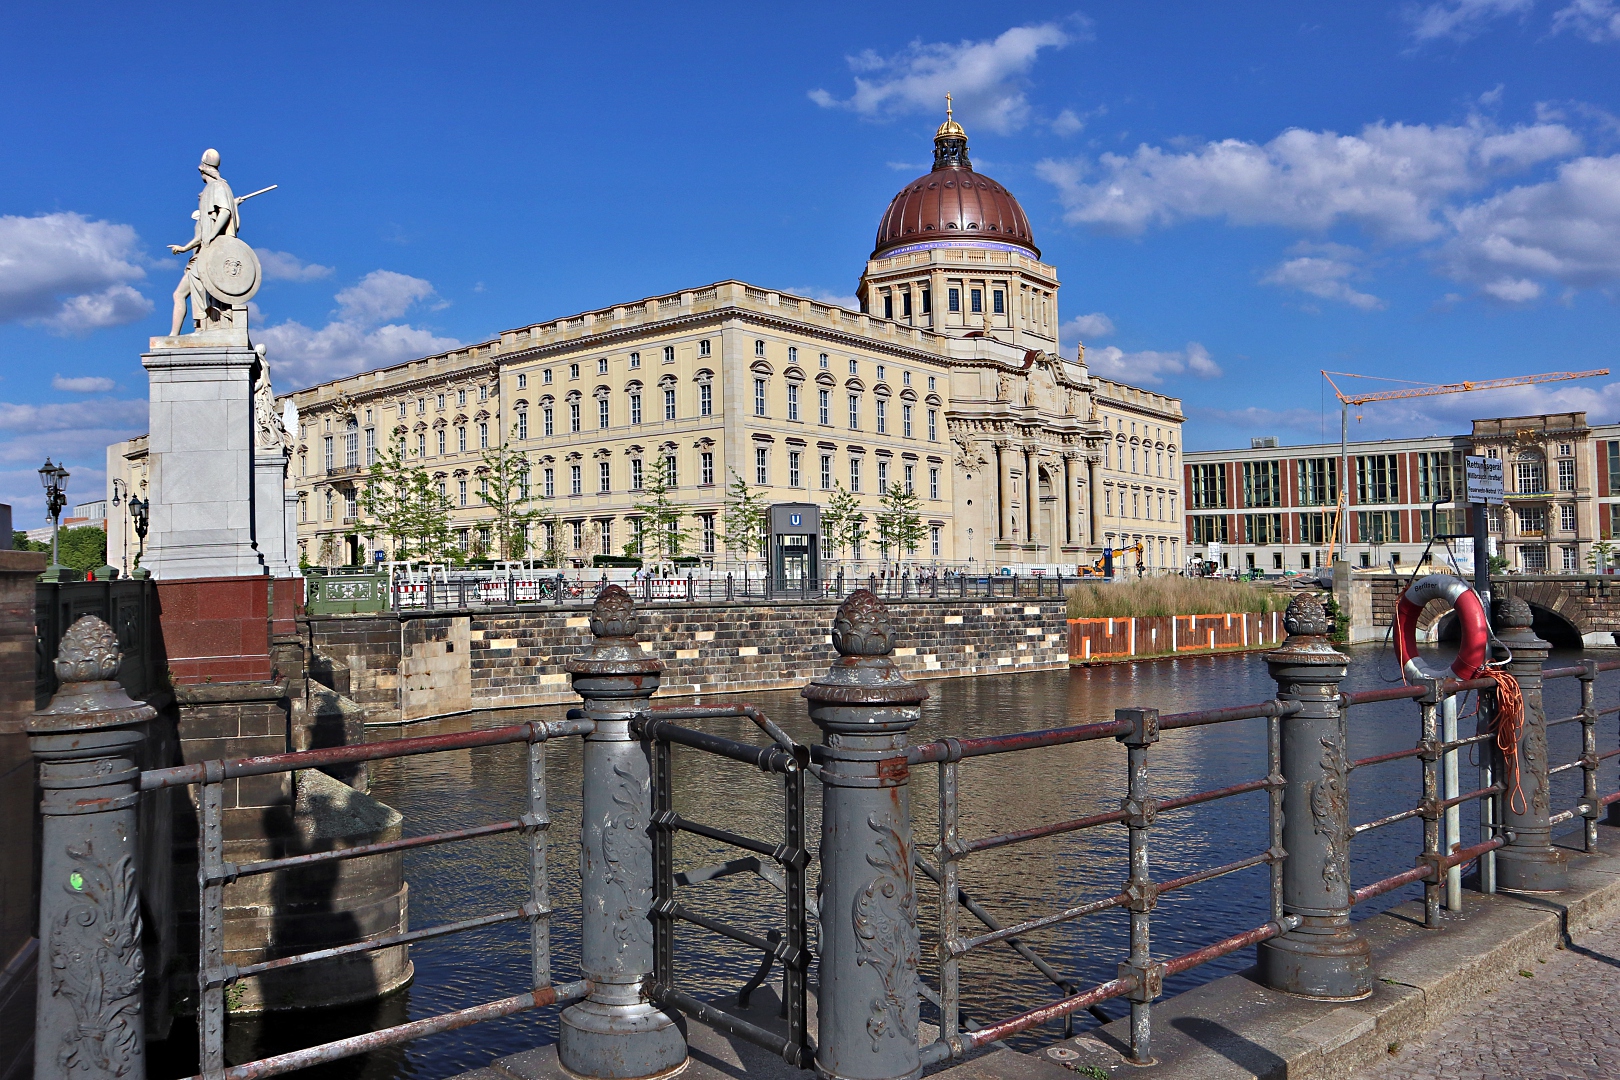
(1614, 467)
(669, 354)
(461, 440)
(545, 376)
(1209, 487)
(601, 365)
(1569, 559)
(762, 471)
(927, 308)
(1532, 521)
(708, 531)
(671, 475)
(793, 468)
(1262, 529)
(953, 299)
(1379, 526)
(1566, 476)
(604, 477)
(1378, 479)
(854, 368)
(1313, 528)
(826, 472)
(573, 417)
(439, 401)
(888, 306)
(855, 475)
(1566, 517)
(635, 408)
(706, 467)
(905, 304)
(1531, 473)
(607, 536)
(401, 411)
(550, 485)
(547, 422)
(523, 425)
(854, 412)
(933, 481)
(933, 424)
(823, 361)
(933, 540)
(759, 397)
(635, 474)
(999, 305)
(882, 416)
(1533, 560)
(909, 470)
(483, 436)
(461, 493)
(602, 412)
(669, 403)
(905, 421)
(881, 373)
(705, 399)
(371, 446)
(976, 298)
(1439, 522)
(579, 534)
(824, 409)
(351, 506)
(1440, 476)
(351, 449)
(1262, 483)
(1318, 481)
(883, 476)
(575, 480)
(573, 371)
(635, 360)
(1209, 529)
(793, 400)
(703, 347)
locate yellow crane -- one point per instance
(1341, 530)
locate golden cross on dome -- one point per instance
(947, 106)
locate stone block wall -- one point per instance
(369, 648)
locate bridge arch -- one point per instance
(1563, 622)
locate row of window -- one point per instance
(1372, 526)
(1154, 465)
(439, 402)
(705, 407)
(704, 348)
(1155, 502)
(762, 474)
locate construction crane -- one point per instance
(1341, 532)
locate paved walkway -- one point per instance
(1557, 1024)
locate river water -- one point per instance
(452, 790)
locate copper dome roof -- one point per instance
(952, 202)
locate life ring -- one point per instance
(1471, 620)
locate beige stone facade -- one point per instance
(126, 464)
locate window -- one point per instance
(461, 493)
(579, 534)
(371, 446)
(976, 299)
(759, 347)
(824, 408)
(573, 417)
(1532, 520)
(483, 489)
(1566, 476)
(522, 424)
(1440, 476)
(669, 354)
(635, 407)
(483, 393)
(635, 360)
(854, 411)
(547, 422)
(1533, 559)
(1262, 529)
(483, 436)
(905, 421)
(882, 416)
(351, 505)
(461, 439)
(1108, 502)
(759, 397)
(401, 416)
(330, 496)
(1531, 473)
(705, 399)
(523, 485)
(602, 412)
(1566, 517)
(1569, 559)
(1210, 529)
(1262, 483)
(793, 400)
(439, 400)
(1566, 449)
(933, 424)
(703, 347)
(671, 476)
(927, 308)
(1613, 454)
(706, 467)
(1313, 528)
(707, 522)
(881, 373)
(573, 371)
(601, 365)
(933, 481)
(793, 468)
(635, 474)
(575, 481)
(854, 368)
(909, 470)
(550, 485)
(905, 304)
(606, 529)
(1318, 481)
(604, 477)
(762, 471)
(888, 306)
(855, 475)
(1379, 526)
(826, 472)
(1208, 487)
(669, 403)
(1441, 522)
(998, 305)
(1378, 479)
(953, 299)
(545, 376)
(933, 540)
(883, 476)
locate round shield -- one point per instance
(230, 270)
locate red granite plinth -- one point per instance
(216, 629)
(288, 604)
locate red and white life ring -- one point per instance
(1471, 621)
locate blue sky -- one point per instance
(1235, 196)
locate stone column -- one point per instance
(200, 454)
(87, 744)
(936, 301)
(270, 511)
(1004, 460)
(1032, 497)
(1069, 501)
(1528, 861)
(1323, 956)
(616, 1033)
(869, 983)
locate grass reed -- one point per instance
(1172, 596)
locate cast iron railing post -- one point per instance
(87, 745)
(869, 982)
(616, 1033)
(1323, 956)
(1589, 758)
(1141, 894)
(1528, 861)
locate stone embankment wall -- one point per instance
(1094, 641)
(411, 666)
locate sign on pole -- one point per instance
(1484, 479)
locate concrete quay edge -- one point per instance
(1236, 1029)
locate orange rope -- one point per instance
(1507, 723)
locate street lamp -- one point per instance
(139, 509)
(54, 479)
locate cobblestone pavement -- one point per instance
(1553, 1025)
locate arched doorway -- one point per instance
(1050, 516)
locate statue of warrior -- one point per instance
(216, 216)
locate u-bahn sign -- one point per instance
(1484, 479)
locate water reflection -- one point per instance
(447, 791)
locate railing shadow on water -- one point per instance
(641, 812)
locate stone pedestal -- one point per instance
(277, 543)
(200, 450)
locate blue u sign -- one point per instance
(795, 520)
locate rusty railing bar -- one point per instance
(1440, 748)
(779, 1045)
(1556, 769)
(1577, 718)
(235, 974)
(765, 758)
(782, 950)
(957, 948)
(1369, 826)
(709, 712)
(988, 843)
(1446, 688)
(675, 822)
(241, 870)
(941, 750)
(1211, 796)
(1214, 872)
(978, 911)
(1202, 717)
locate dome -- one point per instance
(952, 202)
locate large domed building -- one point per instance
(947, 382)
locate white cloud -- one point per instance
(75, 433)
(1461, 19)
(827, 296)
(1391, 179)
(83, 384)
(1323, 271)
(1151, 368)
(281, 266)
(1566, 229)
(1513, 290)
(69, 273)
(1596, 20)
(986, 78)
(361, 336)
(1067, 123)
(1082, 327)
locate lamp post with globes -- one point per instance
(139, 508)
(54, 478)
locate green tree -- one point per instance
(1601, 557)
(505, 489)
(661, 536)
(403, 501)
(20, 542)
(83, 547)
(842, 522)
(899, 521)
(743, 521)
